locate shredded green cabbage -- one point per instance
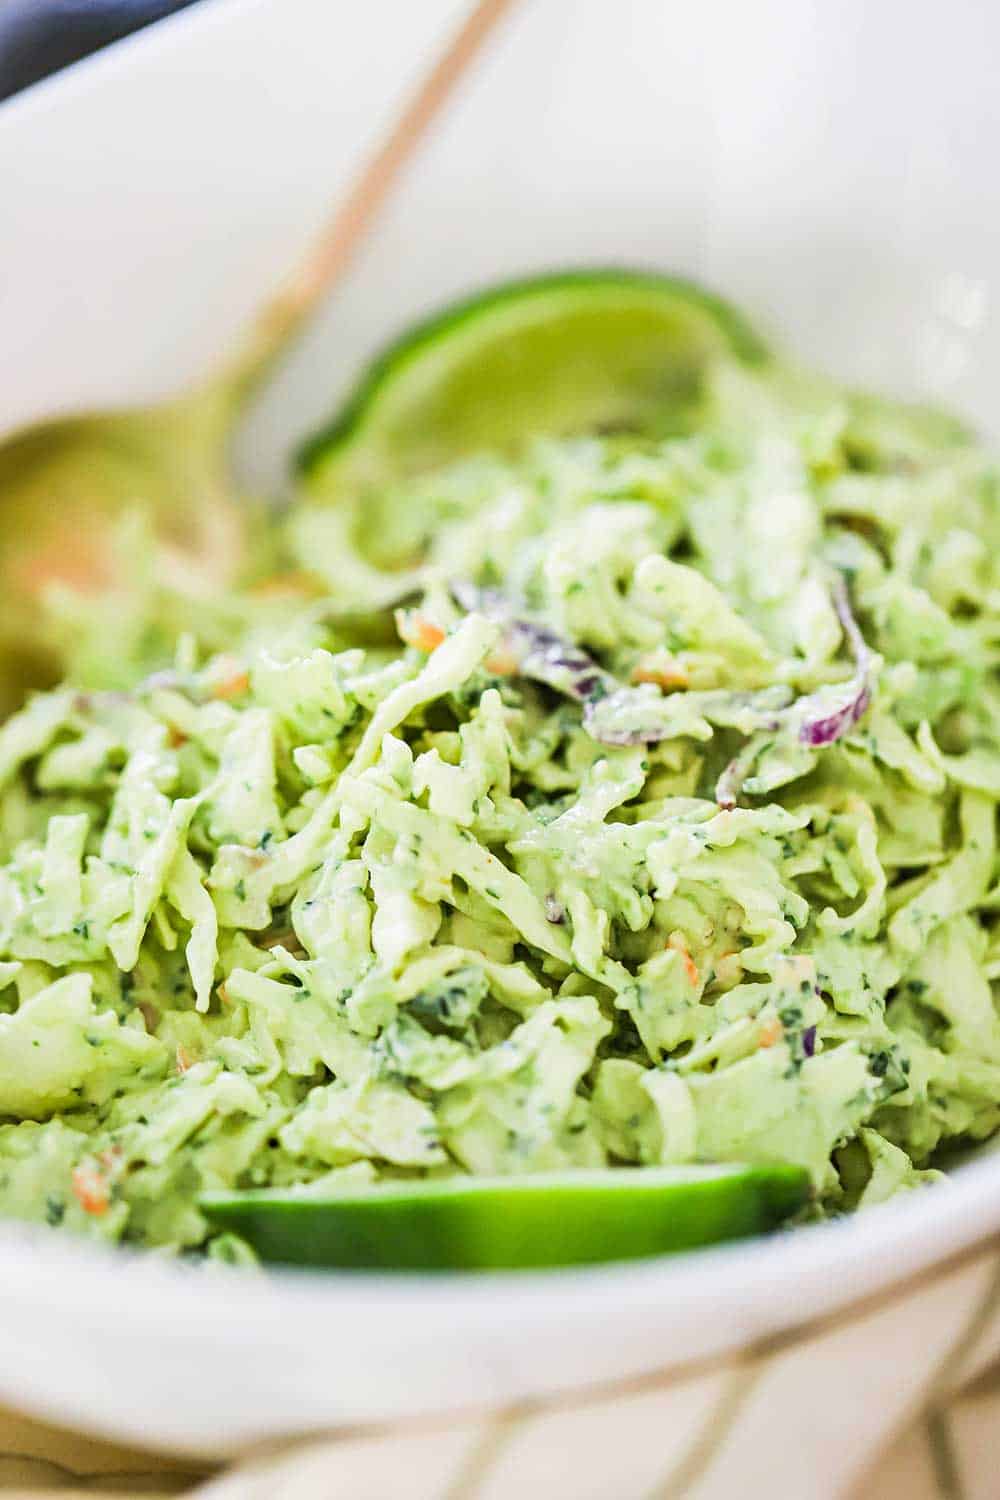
(283, 898)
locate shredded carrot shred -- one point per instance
(771, 1032)
(665, 674)
(91, 1189)
(417, 630)
(678, 942)
(502, 662)
(232, 687)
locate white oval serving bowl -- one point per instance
(829, 168)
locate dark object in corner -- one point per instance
(38, 37)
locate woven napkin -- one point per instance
(948, 1455)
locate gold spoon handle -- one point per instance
(283, 315)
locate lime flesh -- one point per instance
(575, 352)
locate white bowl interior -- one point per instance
(830, 168)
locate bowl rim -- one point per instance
(794, 1279)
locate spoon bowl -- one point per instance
(65, 487)
(66, 483)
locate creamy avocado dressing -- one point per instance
(628, 801)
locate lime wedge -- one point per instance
(573, 352)
(468, 1223)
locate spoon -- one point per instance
(64, 481)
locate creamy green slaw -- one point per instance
(624, 802)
